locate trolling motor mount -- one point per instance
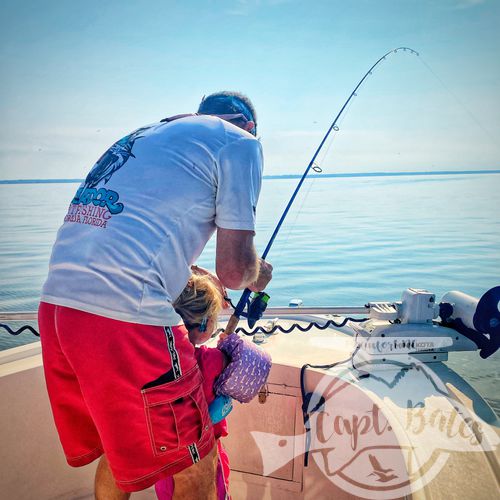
(408, 328)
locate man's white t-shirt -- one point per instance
(144, 214)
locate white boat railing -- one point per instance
(19, 316)
(312, 311)
(270, 311)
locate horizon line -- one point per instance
(291, 176)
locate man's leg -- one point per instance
(198, 482)
(105, 486)
(125, 413)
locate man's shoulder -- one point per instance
(213, 125)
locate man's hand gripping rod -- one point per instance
(255, 309)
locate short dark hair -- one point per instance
(228, 102)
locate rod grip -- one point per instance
(231, 325)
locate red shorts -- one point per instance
(133, 392)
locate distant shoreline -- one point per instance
(286, 176)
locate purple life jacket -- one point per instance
(247, 371)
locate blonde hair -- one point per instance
(200, 299)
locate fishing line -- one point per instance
(293, 224)
(317, 168)
(464, 107)
(311, 183)
(304, 198)
(336, 130)
(244, 300)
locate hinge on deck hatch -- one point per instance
(263, 393)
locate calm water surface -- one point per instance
(347, 241)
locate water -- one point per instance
(346, 241)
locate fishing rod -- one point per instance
(257, 306)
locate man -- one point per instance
(120, 371)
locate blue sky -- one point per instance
(79, 75)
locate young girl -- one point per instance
(199, 304)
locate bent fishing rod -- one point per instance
(257, 306)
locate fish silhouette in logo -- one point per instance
(113, 159)
(382, 474)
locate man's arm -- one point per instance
(237, 264)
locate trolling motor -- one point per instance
(478, 320)
(409, 328)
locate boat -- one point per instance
(359, 403)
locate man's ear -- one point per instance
(249, 126)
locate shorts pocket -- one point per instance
(176, 412)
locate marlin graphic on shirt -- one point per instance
(101, 198)
(113, 159)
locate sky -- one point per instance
(79, 75)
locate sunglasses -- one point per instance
(238, 119)
(241, 112)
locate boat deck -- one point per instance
(266, 437)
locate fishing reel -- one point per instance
(256, 307)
